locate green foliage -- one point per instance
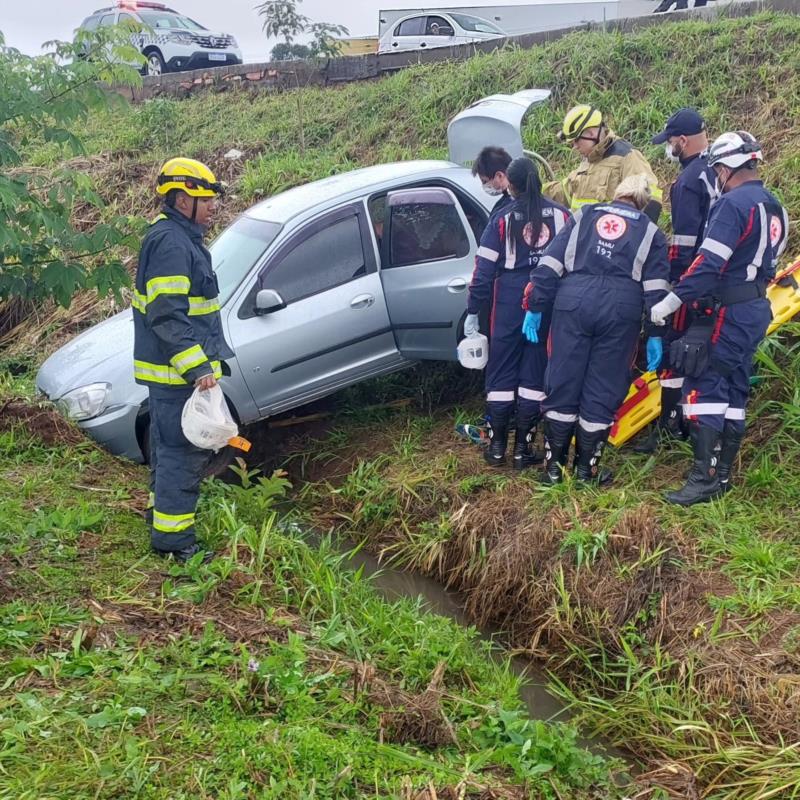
(44, 250)
(235, 678)
(282, 19)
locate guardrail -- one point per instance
(286, 75)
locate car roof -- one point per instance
(284, 206)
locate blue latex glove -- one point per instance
(530, 326)
(655, 352)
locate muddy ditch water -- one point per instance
(394, 584)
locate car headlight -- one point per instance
(85, 402)
(183, 37)
(233, 43)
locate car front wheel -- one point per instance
(155, 65)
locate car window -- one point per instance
(238, 249)
(425, 231)
(438, 26)
(411, 27)
(129, 21)
(160, 19)
(476, 24)
(90, 23)
(106, 20)
(328, 257)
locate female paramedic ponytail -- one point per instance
(527, 186)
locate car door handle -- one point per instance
(394, 44)
(362, 301)
(456, 285)
(423, 45)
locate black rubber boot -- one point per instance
(703, 483)
(524, 455)
(495, 454)
(589, 446)
(182, 556)
(731, 442)
(557, 439)
(669, 424)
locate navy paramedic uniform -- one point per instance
(606, 265)
(177, 339)
(691, 197)
(503, 201)
(502, 265)
(745, 235)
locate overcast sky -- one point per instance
(26, 24)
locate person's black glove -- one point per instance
(690, 355)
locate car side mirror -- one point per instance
(268, 301)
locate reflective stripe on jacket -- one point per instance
(611, 240)
(177, 327)
(596, 178)
(746, 234)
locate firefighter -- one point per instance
(509, 248)
(491, 167)
(178, 345)
(725, 286)
(606, 161)
(599, 274)
(691, 197)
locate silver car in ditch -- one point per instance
(321, 287)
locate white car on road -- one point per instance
(444, 28)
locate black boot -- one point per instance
(731, 442)
(557, 439)
(495, 453)
(524, 455)
(589, 446)
(703, 483)
(669, 424)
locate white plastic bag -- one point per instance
(473, 352)
(206, 421)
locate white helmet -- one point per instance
(733, 149)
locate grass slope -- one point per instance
(273, 672)
(746, 74)
(673, 632)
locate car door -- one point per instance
(332, 328)
(408, 34)
(427, 258)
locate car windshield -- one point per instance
(475, 24)
(237, 250)
(161, 19)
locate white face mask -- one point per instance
(719, 187)
(670, 153)
(491, 190)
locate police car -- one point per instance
(171, 42)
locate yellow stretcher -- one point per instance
(643, 402)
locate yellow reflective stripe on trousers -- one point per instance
(172, 523)
(167, 284)
(188, 359)
(203, 305)
(164, 374)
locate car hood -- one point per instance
(103, 353)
